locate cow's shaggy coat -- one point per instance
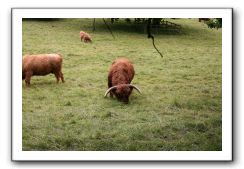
(120, 76)
(40, 65)
(85, 37)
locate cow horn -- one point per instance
(111, 88)
(135, 88)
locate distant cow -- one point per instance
(85, 37)
(40, 65)
(120, 76)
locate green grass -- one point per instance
(181, 102)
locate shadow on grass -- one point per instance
(140, 28)
(133, 28)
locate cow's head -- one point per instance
(122, 91)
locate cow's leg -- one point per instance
(57, 76)
(28, 78)
(62, 76)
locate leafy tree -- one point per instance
(154, 21)
(214, 23)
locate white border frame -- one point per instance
(224, 155)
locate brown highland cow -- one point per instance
(40, 65)
(120, 76)
(85, 36)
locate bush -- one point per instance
(215, 23)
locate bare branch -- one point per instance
(149, 35)
(108, 28)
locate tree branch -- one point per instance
(149, 35)
(108, 28)
(94, 20)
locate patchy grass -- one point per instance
(180, 108)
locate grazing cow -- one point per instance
(120, 76)
(40, 65)
(85, 36)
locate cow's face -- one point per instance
(122, 92)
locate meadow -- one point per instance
(180, 108)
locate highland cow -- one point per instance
(40, 65)
(85, 36)
(120, 76)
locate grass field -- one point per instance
(180, 106)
